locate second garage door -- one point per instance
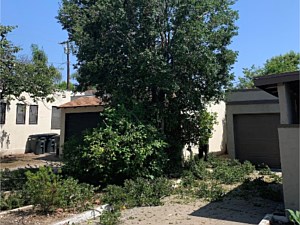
(256, 138)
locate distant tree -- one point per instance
(31, 75)
(279, 64)
(62, 85)
(163, 59)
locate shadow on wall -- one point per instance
(4, 139)
(248, 203)
(224, 137)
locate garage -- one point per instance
(76, 123)
(256, 138)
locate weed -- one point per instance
(211, 192)
(110, 218)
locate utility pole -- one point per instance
(67, 52)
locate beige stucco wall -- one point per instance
(246, 102)
(64, 111)
(13, 137)
(217, 143)
(289, 154)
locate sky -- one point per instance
(267, 28)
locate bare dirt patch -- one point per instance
(230, 211)
(31, 217)
(29, 160)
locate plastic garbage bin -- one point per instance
(32, 140)
(50, 145)
(40, 145)
(56, 143)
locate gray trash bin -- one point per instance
(32, 140)
(41, 145)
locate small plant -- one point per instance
(294, 216)
(12, 180)
(50, 191)
(11, 201)
(212, 192)
(139, 192)
(110, 218)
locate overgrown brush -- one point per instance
(49, 191)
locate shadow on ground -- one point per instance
(50, 157)
(248, 203)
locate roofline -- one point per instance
(276, 78)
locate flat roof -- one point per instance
(269, 83)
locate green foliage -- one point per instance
(12, 200)
(288, 62)
(210, 192)
(294, 216)
(120, 148)
(49, 191)
(12, 180)
(232, 172)
(265, 189)
(139, 192)
(33, 76)
(168, 58)
(110, 218)
(63, 86)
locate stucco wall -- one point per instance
(217, 143)
(289, 154)
(246, 102)
(64, 111)
(13, 137)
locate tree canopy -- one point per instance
(164, 59)
(32, 75)
(288, 62)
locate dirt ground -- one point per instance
(29, 160)
(27, 217)
(233, 211)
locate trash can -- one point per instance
(56, 140)
(40, 145)
(50, 145)
(32, 140)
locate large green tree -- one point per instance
(165, 58)
(32, 75)
(288, 62)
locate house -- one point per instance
(252, 118)
(20, 119)
(285, 86)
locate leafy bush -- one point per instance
(12, 180)
(232, 171)
(139, 192)
(120, 148)
(12, 200)
(49, 191)
(110, 218)
(211, 192)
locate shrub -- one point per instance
(120, 148)
(232, 171)
(12, 180)
(110, 218)
(12, 200)
(211, 192)
(49, 191)
(139, 192)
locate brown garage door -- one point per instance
(76, 123)
(256, 138)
